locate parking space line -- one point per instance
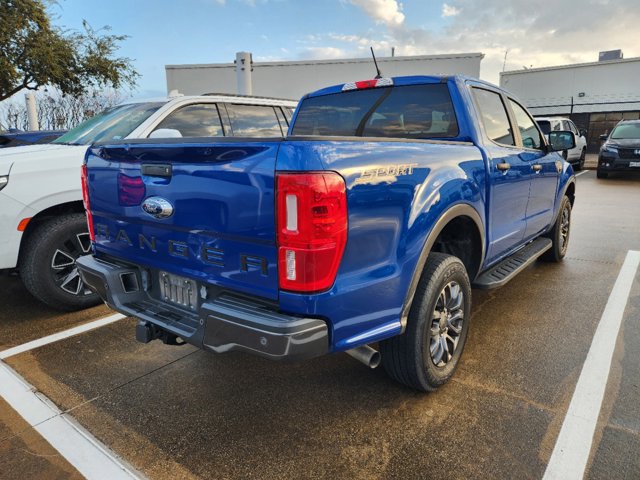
(90, 457)
(581, 173)
(573, 446)
(25, 347)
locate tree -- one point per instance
(57, 111)
(34, 53)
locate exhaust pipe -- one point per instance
(367, 355)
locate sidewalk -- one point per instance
(591, 161)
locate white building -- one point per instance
(294, 79)
(595, 95)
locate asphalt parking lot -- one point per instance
(175, 412)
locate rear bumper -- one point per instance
(223, 322)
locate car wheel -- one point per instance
(583, 156)
(601, 174)
(48, 263)
(427, 354)
(559, 234)
(565, 154)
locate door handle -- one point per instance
(157, 170)
(503, 166)
(536, 167)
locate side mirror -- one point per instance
(561, 140)
(583, 132)
(604, 137)
(166, 133)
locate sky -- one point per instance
(531, 33)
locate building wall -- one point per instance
(294, 79)
(595, 95)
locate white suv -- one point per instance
(576, 155)
(42, 222)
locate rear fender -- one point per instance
(459, 210)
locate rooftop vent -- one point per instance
(610, 55)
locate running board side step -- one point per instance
(508, 268)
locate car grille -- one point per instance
(629, 152)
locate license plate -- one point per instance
(634, 164)
(178, 290)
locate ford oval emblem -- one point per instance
(157, 207)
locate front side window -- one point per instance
(528, 130)
(412, 111)
(494, 116)
(253, 121)
(567, 125)
(201, 120)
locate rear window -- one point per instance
(545, 126)
(413, 111)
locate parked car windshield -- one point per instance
(113, 124)
(412, 111)
(626, 131)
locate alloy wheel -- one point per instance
(63, 264)
(446, 324)
(565, 222)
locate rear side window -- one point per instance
(413, 111)
(253, 121)
(494, 116)
(200, 120)
(288, 113)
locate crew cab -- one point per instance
(42, 222)
(369, 223)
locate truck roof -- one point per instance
(402, 81)
(219, 97)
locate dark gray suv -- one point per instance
(621, 150)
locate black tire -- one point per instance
(560, 233)
(565, 154)
(47, 263)
(601, 174)
(583, 157)
(410, 358)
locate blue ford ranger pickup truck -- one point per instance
(368, 224)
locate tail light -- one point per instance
(85, 198)
(131, 190)
(364, 84)
(311, 212)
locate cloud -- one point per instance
(323, 53)
(382, 11)
(449, 10)
(573, 31)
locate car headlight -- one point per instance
(3, 181)
(609, 148)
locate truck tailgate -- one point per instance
(199, 210)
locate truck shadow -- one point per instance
(23, 318)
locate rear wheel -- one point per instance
(427, 354)
(559, 234)
(48, 263)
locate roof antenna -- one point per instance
(379, 75)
